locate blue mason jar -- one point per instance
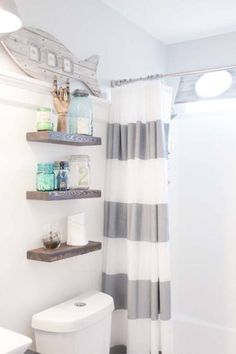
(45, 177)
(80, 113)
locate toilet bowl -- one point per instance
(79, 326)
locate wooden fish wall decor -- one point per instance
(43, 57)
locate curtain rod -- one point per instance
(115, 83)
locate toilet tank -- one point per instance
(81, 325)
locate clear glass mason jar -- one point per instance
(45, 177)
(80, 113)
(79, 172)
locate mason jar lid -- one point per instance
(45, 167)
(79, 157)
(80, 93)
(44, 109)
(56, 164)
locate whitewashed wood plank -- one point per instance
(30, 48)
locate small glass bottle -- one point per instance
(80, 113)
(56, 168)
(62, 176)
(79, 172)
(45, 177)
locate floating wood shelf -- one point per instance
(63, 138)
(63, 252)
(57, 195)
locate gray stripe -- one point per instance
(137, 222)
(119, 349)
(142, 298)
(122, 349)
(137, 140)
(116, 286)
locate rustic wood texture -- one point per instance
(63, 138)
(187, 88)
(42, 56)
(45, 255)
(67, 195)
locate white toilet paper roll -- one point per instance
(76, 230)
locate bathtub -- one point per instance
(199, 337)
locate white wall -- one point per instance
(203, 202)
(202, 205)
(202, 53)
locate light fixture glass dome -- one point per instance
(9, 19)
(213, 84)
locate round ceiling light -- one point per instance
(9, 19)
(213, 84)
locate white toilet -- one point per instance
(78, 326)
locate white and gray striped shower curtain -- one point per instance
(136, 257)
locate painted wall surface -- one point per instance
(202, 199)
(202, 53)
(202, 205)
(91, 27)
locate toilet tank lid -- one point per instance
(75, 314)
